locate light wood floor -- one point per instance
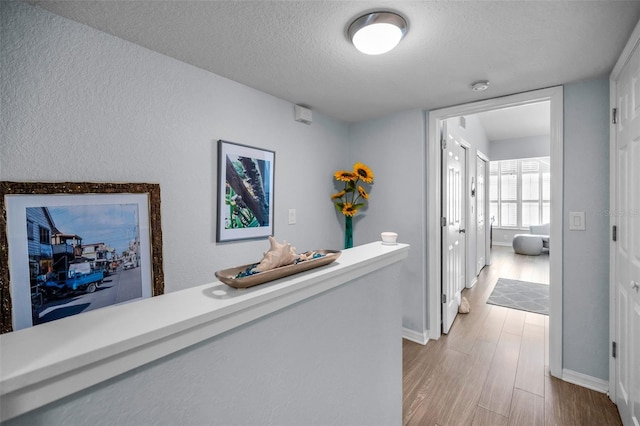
(492, 368)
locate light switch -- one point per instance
(577, 221)
(292, 216)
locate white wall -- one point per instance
(473, 132)
(394, 148)
(529, 147)
(333, 359)
(586, 253)
(504, 237)
(82, 105)
(78, 104)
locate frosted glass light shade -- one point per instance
(377, 32)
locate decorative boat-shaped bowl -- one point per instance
(228, 276)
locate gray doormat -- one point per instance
(522, 295)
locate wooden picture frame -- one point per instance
(49, 270)
(245, 192)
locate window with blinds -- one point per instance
(520, 192)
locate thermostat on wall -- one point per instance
(303, 114)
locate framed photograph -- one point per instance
(245, 192)
(69, 248)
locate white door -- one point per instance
(627, 247)
(453, 232)
(481, 230)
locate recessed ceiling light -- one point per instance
(377, 32)
(480, 86)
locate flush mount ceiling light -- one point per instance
(377, 32)
(480, 86)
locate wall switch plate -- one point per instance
(577, 221)
(292, 216)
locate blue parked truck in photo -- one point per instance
(79, 277)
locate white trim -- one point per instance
(473, 282)
(613, 190)
(502, 243)
(482, 156)
(433, 224)
(415, 336)
(556, 235)
(487, 224)
(469, 271)
(625, 56)
(555, 96)
(585, 381)
(111, 341)
(424, 304)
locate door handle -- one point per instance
(462, 231)
(635, 286)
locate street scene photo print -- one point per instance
(81, 258)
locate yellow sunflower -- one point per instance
(344, 176)
(363, 172)
(338, 195)
(363, 193)
(349, 209)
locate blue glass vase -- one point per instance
(348, 232)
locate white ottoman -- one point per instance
(527, 244)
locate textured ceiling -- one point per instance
(298, 50)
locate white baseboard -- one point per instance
(473, 282)
(414, 336)
(502, 243)
(585, 381)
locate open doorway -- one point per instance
(517, 207)
(437, 122)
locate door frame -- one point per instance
(632, 44)
(480, 155)
(555, 96)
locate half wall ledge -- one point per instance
(84, 350)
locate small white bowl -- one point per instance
(389, 238)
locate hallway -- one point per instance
(492, 368)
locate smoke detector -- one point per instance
(480, 86)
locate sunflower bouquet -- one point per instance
(352, 197)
